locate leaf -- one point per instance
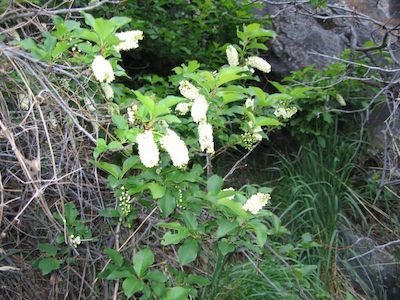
(167, 203)
(261, 233)
(147, 101)
(214, 184)
(129, 163)
(171, 101)
(156, 276)
(171, 238)
(142, 260)
(59, 49)
(178, 293)
(70, 213)
(157, 191)
(131, 285)
(118, 274)
(225, 247)
(47, 248)
(225, 227)
(109, 213)
(188, 252)
(230, 74)
(114, 170)
(103, 27)
(264, 121)
(114, 145)
(115, 256)
(196, 279)
(120, 122)
(234, 206)
(190, 220)
(48, 265)
(120, 21)
(100, 148)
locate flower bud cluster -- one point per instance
(108, 91)
(125, 203)
(102, 69)
(182, 108)
(258, 63)
(75, 241)
(129, 40)
(232, 56)
(179, 202)
(131, 113)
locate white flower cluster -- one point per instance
(182, 108)
(199, 109)
(125, 203)
(102, 69)
(176, 148)
(129, 40)
(75, 241)
(258, 63)
(256, 202)
(206, 137)
(256, 133)
(131, 113)
(249, 103)
(285, 113)
(232, 55)
(188, 90)
(148, 150)
(108, 91)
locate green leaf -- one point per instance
(120, 21)
(156, 275)
(142, 260)
(190, 220)
(147, 101)
(171, 101)
(59, 49)
(115, 256)
(188, 252)
(167, 203)
(178, 293)
(48, 265)
(129, 163)
(118, 274)
(114, 145)
(89, 20)
(48, 249)
(103, 27)
(120, 122)
(214, 184)
(157, 191)
(170, 238)
(109, 213)
(131, 285)
(100, 148)
(234, 206)
(114, 170)
(230, 74)
(71, 213)
(264, 121)
(225, 247)
(196, 279)
(225, 227)
(261, 233)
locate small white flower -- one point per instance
(129, 40)
(256, 202)
(89, 104)
(232, 55)
(75, 241)
(131, 114)
(285, 113)
(176, 149)
(108, 91)
(24, 101)
(249, 103)
(206, 137)
(102, 69)
(199, 109)
(188, 90)
(258, 63)
(182, 108)
(148, 150)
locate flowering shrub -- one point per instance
(166, 154)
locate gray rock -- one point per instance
(374, 272)
(300, 32)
